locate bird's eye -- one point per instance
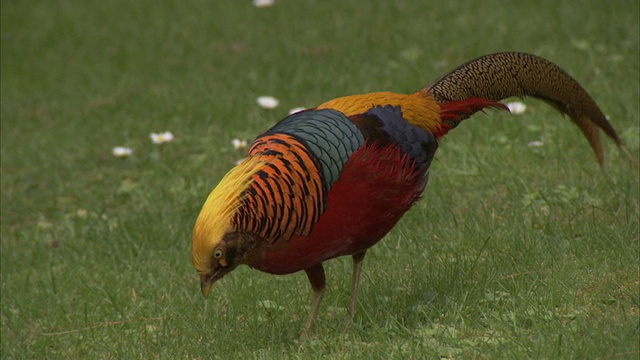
(217, 254)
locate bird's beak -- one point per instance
(206, 280)
(205, 284)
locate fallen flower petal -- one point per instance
(297, 110)
(263, 3)
(239, 144)
(535, 143)
(268, 102)
(161, 138)
(516, 107)
(121, 151)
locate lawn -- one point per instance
(515, 251)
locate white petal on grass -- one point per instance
(239, 144)
(516, 107)
(297, 110)
(161, 138)
(268, 102)
(263, 3)
(535, 143)
(121, 151)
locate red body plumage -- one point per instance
(358, 214)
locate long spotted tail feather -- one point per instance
(502, 75)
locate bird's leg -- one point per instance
(358, 259)
(317, 280)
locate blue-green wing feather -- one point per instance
(330, 135)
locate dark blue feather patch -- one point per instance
(421, 145)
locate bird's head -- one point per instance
(217, 242)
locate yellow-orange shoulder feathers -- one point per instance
(419, 109)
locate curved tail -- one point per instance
(502, 75)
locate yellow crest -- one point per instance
(215, 219)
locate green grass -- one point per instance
(514, 252)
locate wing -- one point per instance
(303, 155)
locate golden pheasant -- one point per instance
(334, 180)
